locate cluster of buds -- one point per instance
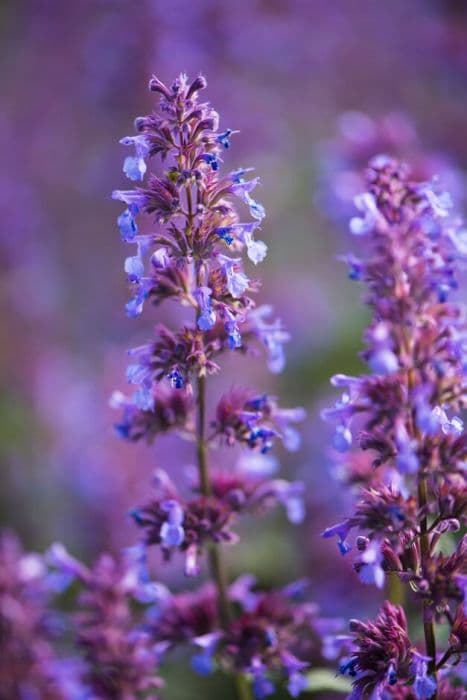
(405, 415)
(190, 253)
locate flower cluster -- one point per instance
(405, 416)
(383, 658)
(175, 523)
(189, 238)
(29, 666)
(272, 635)
(255, 421)
(119, 658)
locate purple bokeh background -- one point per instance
(283, 73)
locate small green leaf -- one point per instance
(322, 679)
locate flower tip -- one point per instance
(156, 85)
(199, 83)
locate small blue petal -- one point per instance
(297, 684)
(134, 268)
(176, 380)
(203, 664)
(425, 687)
(207, 320)
(342, 439)
(384, 361)
(134, 167)
(224, 139)
(262, 687)
(172, 535)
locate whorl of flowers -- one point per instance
(406, 412)
(190, 253)
(272, 636)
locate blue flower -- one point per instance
(237, 282)
(347, 667)
(427, 420)
(224, 138)
(207, 317)
(371, 570)
(425, 685)
(272, 335)
(242, 188)
(391, 675)
(355, 266)
(234, 337)
(439, 203)
(172, 533)
(406, 460)
(143, 399)
(365, 203)
(133, 198)
(263, 436)
(262, 686)
(257, 210)
(211, 159)
(291, 497)
(135, 167)
(224, 233)
(203, 663)
(134, 268)
(383, 361)
(127, 224)
(342, 439)
(135, 306)
(256, 250)
(297, 684)
(459, 240)
(176, 379)
(453, 426)
(341, 531)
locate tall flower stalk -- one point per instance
(405, 415)
(192, 255)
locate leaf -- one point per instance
(322, 679)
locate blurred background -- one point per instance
(315, 88)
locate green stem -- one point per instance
(428, 627)
(394, 589)
(218, 574)
(242, 687)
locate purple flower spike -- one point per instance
(185, 199)
(409, 476)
